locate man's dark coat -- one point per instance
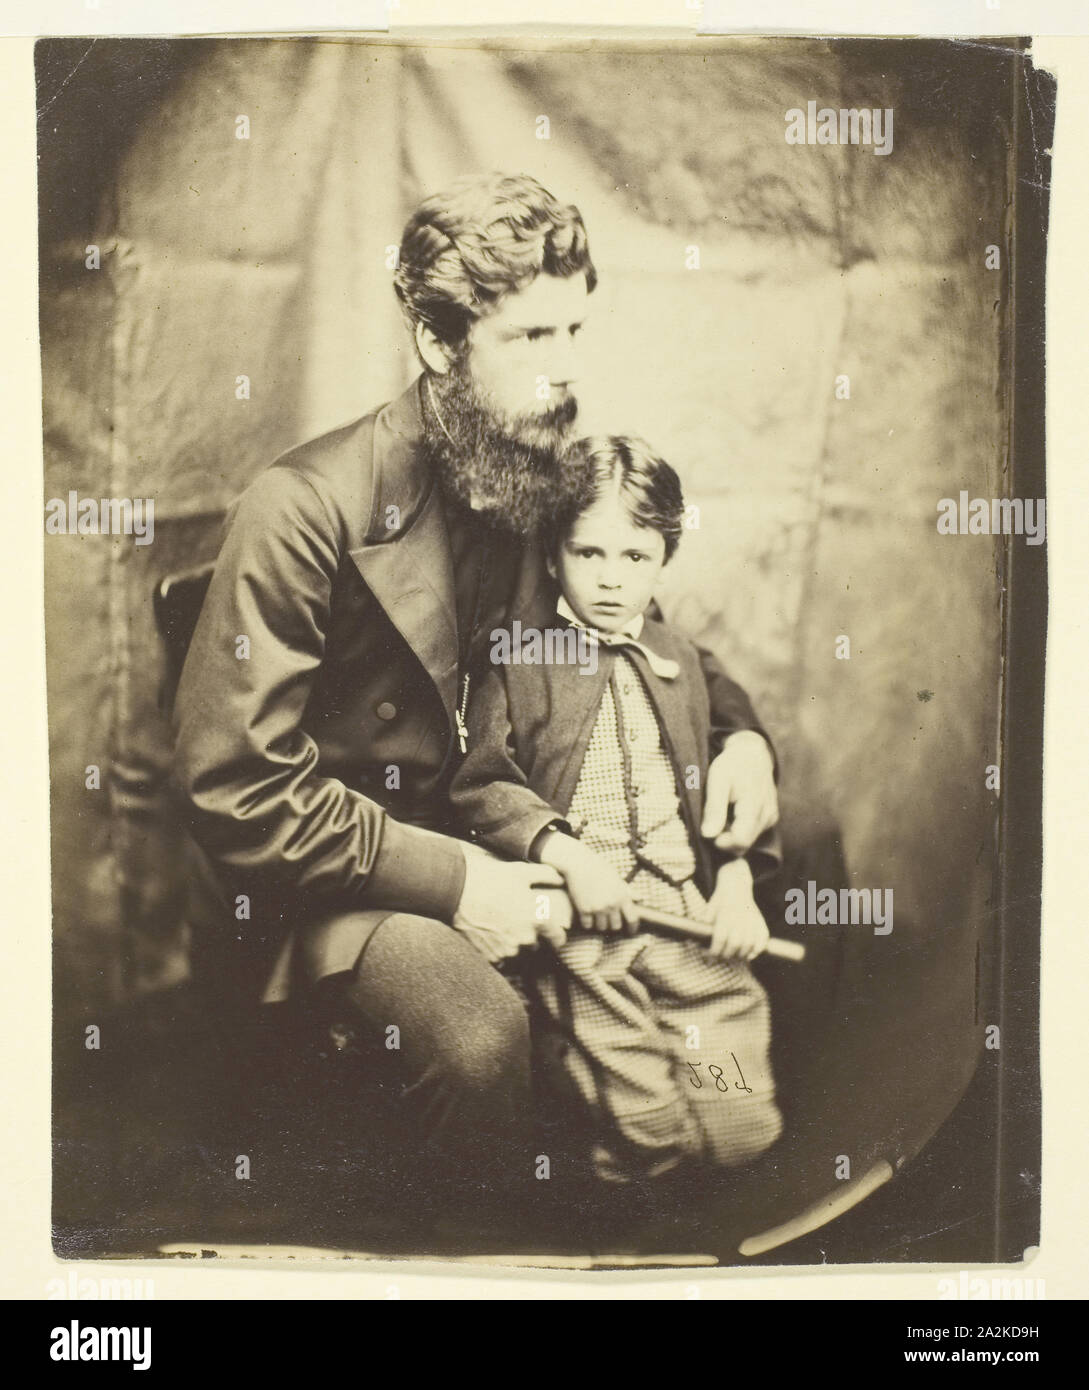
(315, 713)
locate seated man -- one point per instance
(320, 713)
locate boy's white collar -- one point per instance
(633, 628)
(627, 636)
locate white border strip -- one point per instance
(127, 18)
(944, 18)
(941, 18)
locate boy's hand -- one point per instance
(600, 896)
(740, 931)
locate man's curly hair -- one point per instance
(478, 240)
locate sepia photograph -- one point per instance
(545, 553)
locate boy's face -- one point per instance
(608, 566)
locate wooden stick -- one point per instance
(702, 931)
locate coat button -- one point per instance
(386, 710)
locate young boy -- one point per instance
(593, 761)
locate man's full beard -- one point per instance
(508, 469)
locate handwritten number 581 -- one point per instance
(715, 1071)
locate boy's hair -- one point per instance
(479, 239)
(649, 487)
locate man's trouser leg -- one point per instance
(446, 1039)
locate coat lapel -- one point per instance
(685, 717)
(407, 566)
(673, 701)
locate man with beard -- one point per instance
(319, 717)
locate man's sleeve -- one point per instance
(731, 708)
(492, 801)
(250, 773)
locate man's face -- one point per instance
(504, 411)
(608, 565)
(522, 359)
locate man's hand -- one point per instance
(601, 897)
(740, 931)
(742, 776)
(499, 910)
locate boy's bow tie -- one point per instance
(626, 637)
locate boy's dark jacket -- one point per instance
(530, 725)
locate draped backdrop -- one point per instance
(740, 277)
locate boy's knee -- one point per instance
(746, 1142)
